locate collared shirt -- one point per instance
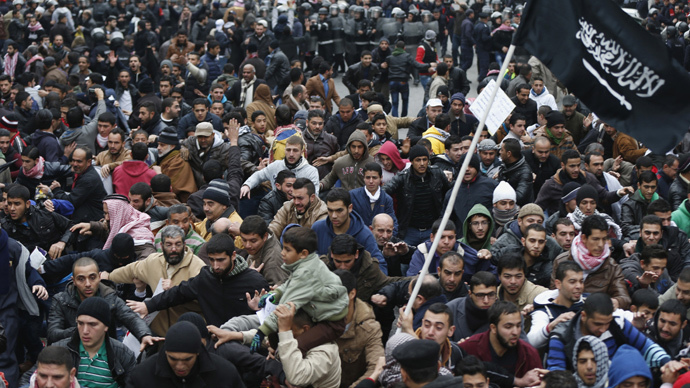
(95, 372)
(325, 84)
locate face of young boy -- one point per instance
(289, 254)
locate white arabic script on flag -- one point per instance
(617, 62)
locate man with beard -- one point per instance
(470, 312)
(141, 198)
(174, 166)
(515, 287)
(263, 249)
(501, 345)
(667, 328)
(556, 306)
(304, 209)
(205, 145)
(216, 206)
(10, 153)
(515, 170)
(274, 200)
(115, 154)
(220, 287)
(151, 121)
(169, 268)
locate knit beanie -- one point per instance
(458, 96)
(195, 319)
(504, 191)
(168, 136)
(487, 145)
(587, 191)
(531, 209)
(167, 62)
(183, 337)
(417, 151)
(146, 86)
(375, 108)
(474, 161)
(96, 307)
(218, 190)
(554, 118)
(569, 191)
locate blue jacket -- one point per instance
(362, 205)
(189, 122)
(358, 229)
(417, 260)
(215, 69)
(48, 146)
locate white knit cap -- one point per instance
(504, 191)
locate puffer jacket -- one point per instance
(349, 171)
(288, 215)
(219, 151)
(360, 346)
(608, 278)
(519, 176)
(402, 189)
(510, 240)
(324, 144)
(62, 321)
(401, 65)
(313, 287)
(43, 229)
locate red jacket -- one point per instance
(478, 346)
(129, 173)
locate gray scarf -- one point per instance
(26, 301)
(601, 356)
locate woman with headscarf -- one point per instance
(264, 102)
(121, 217)
(591, 362)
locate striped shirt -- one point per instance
(193, 240)
(95, 372)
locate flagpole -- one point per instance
(456, 187)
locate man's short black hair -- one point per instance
(651, 219)
(512, 260)
(442, 308)
(483, 278)
(19, 191)
(373, 166)
(443, 120)
(283, 175)
(338, 194)
(645, 297)
(450, 225)
(221, 243)
(513, 146)
(142, 189)
(450, 141)
(451, 257)
(599, 303)
(659, 206)
(569, 154)
(161, 183)
(593, 222)
(674, 306)
(343, 244)
(564, 267)
(560, 378)
(302, 183)
(653, 251)
(471, 366)
(56, 355)
(347, 278)
(140, 151)
(200, 101)
(254, 225)
(499, 308)
(430, 287)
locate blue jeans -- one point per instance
(403, 88)
(414, 236)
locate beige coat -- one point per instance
(320, 368)
(526, 296)
(105, 158)
(154, 268)
(287, 215)
(269, 256)
(360, 346)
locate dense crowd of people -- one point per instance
(188, 202)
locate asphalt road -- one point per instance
(416, 92)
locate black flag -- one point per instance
(620, 71)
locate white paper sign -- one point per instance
(132, 343)
(37, 258)
(265, 312)
(500, 109)
(107, 181)
(151, 316)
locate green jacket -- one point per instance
(312, 287)
(478, 209)
(681, 217)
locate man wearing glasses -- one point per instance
(470, 314)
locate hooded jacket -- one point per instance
(349, 171)
(519, 176)
(551, 192)
(366, 269)
(391, 150)
(546, 311)
(479, 345)
(479, 191)
(129, 173)
(269, 173)
(48, 146)
(632, 212)
(360, 346)
(478, 209)
(324, 144)
(358, 230)
(341, 129)
(313, 287)
(627, 363)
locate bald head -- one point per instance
(220, 226)
(382, 226)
